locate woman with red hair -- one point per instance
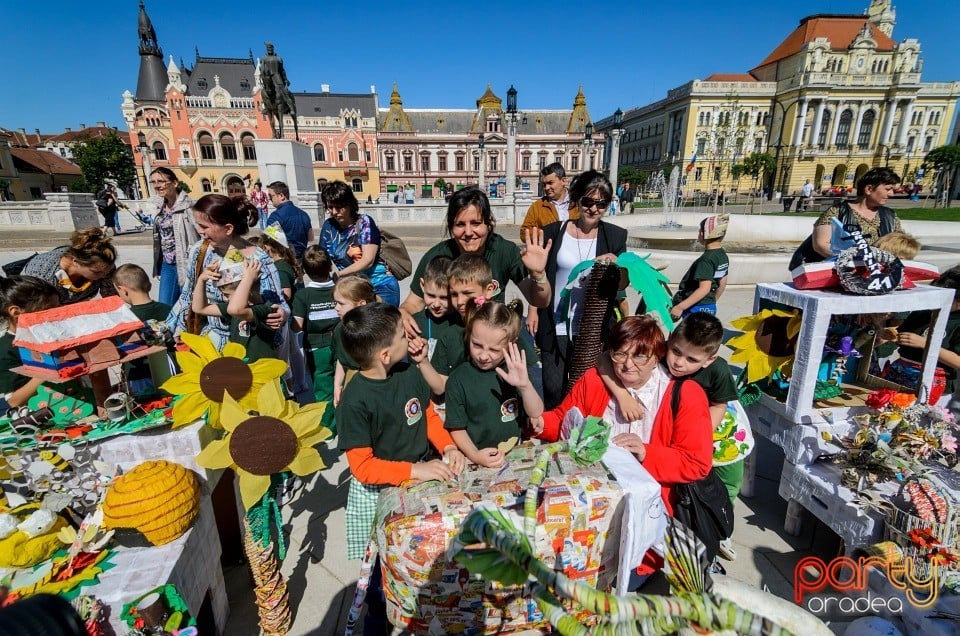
(674, 447)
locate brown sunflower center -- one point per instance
(263, 445)
(771, 337)
(226, 374)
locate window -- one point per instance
(460, 163)
(207, 151)
(391, 164)
(367, 155)
(228, 147)
(493, 163)
(320, 183)
(866, 129)
(357, 185)
(353, 152)
(541, 162)
(63, 152)
(701, 145)
(340, 156)
(721, 145)
(408, 163)
(159, 152)
(442, 163)
(843, 129)
(244, 84)
(249, 150)
(697, 174)
(930, 118)
(205, 185)
(202, 83)
(525, 163)
(927, 144)
(319, 154)
(824, 129)
(911, 143)
(574, 162)
(476, 163)
(425, 163)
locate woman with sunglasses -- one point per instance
(174, 231)
(675, 447)
(573, 241)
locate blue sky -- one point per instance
(73, 62)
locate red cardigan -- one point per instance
(681, 446)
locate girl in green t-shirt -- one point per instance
(488, 398)
(19, 295)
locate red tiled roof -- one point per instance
(23, 140)
(44, 161)
(84, 133)
(840, 30)
(731, 77)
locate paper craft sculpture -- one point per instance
(715, 226)
(69, 340)
(231, 267)
(276, 232)
(160, 499)
(35, 538)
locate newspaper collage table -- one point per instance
(578, 533)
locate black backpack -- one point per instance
(703, 506)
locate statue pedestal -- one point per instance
(288, 161)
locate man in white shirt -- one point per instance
(807, 192)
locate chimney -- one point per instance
(36, 131)
(21, 131)
(373, 89)
(66, 130)
(324, 88)
(82, 126)
(101, 124)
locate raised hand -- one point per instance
(516, 373)
(534, 253)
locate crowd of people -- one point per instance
(453, 373)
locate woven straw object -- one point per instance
(588, 345)
(159, 499)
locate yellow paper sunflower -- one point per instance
(767, 344)
(207, 376)
(279, 437)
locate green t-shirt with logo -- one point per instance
(717, 382)
(486, 406)
(713, 265)
(432, 329)
(386, 415)
(314, 305)
(153, 310)
(339, 353)
(255, 335)
(452, 350)
(502, 255)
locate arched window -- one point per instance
(205, 185)
(357, 185)
(866, 129)
(159, 152)
(321, 183)
(353, 152)
(228, 147)
(843, 129)
(249, 150)
(207, 151)
(824, 129)
(319, 154)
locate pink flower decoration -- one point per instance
(479, 301)
(740, 436)
(949, 443)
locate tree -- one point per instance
(633, 175)
(105, 158)
(945, 160)
(757, 165)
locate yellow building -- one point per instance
(837, 97)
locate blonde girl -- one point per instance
(348, 293)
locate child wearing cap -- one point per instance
(238, 280)
(705, 281)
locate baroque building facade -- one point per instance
(201, 121)
(837, 97)
(459, 147)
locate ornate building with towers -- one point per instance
(838, 96)
(201, 121)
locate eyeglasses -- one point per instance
(156, 183)
(621, 356)
(589, 202)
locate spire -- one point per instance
(579, 118)
(152, 81)
(396, 120)
(489, 99)
(883, 16)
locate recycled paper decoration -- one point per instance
(159, 499)
(34, 538)
(715, 226)
(768, 343)
(275, 231)
(66, 341)
(231, 267)
(207, 376)
(281, 437)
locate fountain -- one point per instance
(668, 196)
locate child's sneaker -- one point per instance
(726, 550)
(716, 568)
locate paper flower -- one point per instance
(903, 400)
(207, 376)
(767, 344)
(880, 398)
(280, 437)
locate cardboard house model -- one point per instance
(76, 339)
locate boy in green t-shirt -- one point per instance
(315, 315)
(387, 432)
(244, 308)
(133, 286)
(436, 318)
(706, 280)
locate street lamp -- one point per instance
(511, 142)
(480, 172)
(587, 145)
(615, 135)
(145, 161)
